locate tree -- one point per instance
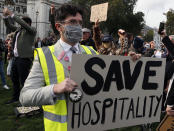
(9, 2)
(120, 15)
(170, 22)
(149, 36)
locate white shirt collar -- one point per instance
(66, 47)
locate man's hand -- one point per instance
(52, 9)
(170, 111)
(96, 24)
(163, 34)
(135, 56)
(7, 12)
(66, 86)
(121, 33)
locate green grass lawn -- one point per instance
(9, 121)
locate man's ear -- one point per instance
(58, 25)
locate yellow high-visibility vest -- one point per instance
(55, 116)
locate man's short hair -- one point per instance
(67, 10)
(27, 19)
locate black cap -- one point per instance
(138, 43)
(107, 38)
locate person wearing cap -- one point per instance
(138, 47)
(86, 39)
(107, 46)
(103, 43)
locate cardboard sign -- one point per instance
(167, 124)
(99, 12)
(117, 92)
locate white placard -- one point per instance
(99, 12)
(117, 92)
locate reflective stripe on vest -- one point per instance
(92, 50)
(55, 116)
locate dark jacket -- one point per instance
(88, 42)
(25, 39)
(170, 46)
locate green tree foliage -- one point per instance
(120, 15)
(149, 36)
(170, 22)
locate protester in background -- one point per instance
(22, 48)
(51, 39)
(2, 67)
(5, 50)
(107, 47)
(9, 42)
(45, 42)
(38, 43)
(138, 47)
(86, 39)
(167, 41)
(103, 43)
(124, 43)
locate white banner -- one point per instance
(117, 92)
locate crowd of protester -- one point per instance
(124, 44)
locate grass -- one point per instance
(9, 121)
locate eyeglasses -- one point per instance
(72, 22)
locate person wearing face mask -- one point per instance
(48, 82)
(107, 47)
(103, 43)
(22, 44)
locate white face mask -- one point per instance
(73, 33)
(147, 46)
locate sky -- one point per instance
(153, 10)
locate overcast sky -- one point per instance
(153, 10)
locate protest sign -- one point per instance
(99, 12)
(167, 124)
(117, 92)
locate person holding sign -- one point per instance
(170, 94)
(48, 82)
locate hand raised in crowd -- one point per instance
(6, 12)
(163, 33)
(52, 9)
(66, 86)
(96, 23)
(121, 32)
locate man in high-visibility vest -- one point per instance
(49, 82)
